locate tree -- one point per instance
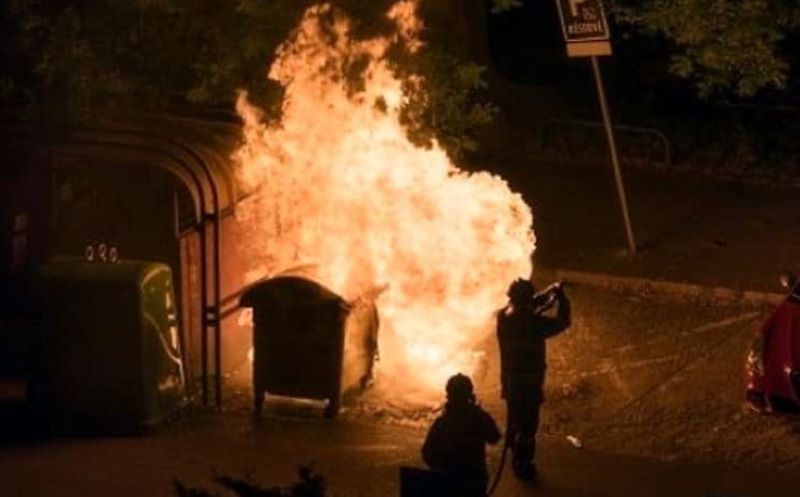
(91, 56)
(722, 46)
(448, 104)
(85, 57)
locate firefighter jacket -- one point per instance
(456, 443)
(522, 334)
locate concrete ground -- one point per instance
(652, 388)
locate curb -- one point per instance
(644, 285)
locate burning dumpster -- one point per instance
(111, 353)
(309, 342)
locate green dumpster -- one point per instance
(111, 350)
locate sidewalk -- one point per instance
(689, 231)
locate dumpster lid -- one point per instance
(289, 291)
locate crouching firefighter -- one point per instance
(522, 329)
(455, 445)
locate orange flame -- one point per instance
(340, 188)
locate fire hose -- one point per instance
(499, 472)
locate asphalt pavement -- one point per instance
(357, 459)
(651, 387)
(690, 230)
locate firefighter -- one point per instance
(456, 442)
(522, 329)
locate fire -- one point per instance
(340, 190)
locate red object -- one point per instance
(773, 368)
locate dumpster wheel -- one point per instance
(258, 402)
(332, 409)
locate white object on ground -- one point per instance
(575, 441)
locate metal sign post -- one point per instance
(586, 32)
(612, 146)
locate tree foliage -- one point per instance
(145, 53)
(446, 104)
(89, 56)
(505, 5)
(721, 46)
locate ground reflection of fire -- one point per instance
(341, 189)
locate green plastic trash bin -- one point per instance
(111, 349)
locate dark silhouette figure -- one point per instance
(522, 330)
(456, 442)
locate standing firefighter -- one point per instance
(522, 329)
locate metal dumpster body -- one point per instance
(111, 350)
(309, 342)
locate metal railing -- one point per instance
(621, 130)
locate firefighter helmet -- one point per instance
(459, 388)
(521, 290)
